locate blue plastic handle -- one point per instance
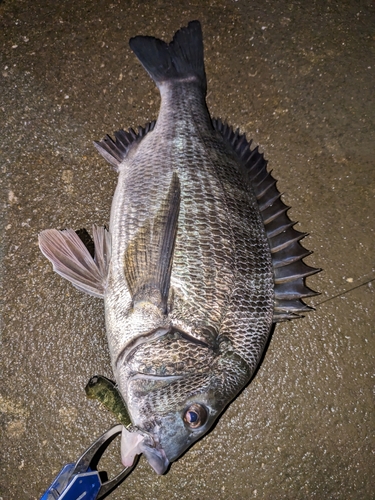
(83, 486)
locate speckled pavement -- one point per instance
(299, 78)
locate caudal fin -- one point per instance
(181, 59)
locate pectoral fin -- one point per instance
(72, 260)
(149, 256)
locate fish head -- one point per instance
(167, 418)
(175, 397)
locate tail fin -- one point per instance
(182, 59)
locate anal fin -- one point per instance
(72, 260)
(149, 256)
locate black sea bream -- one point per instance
(199, 261)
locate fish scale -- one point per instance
(200, 259)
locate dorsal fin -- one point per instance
(114, 151)
(287, 252)
(149, 256)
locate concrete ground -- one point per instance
(299, 78)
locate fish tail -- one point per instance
(180, 60)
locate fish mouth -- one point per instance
(135, 442)
(156, 457)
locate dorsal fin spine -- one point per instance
(287, 252)
(115, 151)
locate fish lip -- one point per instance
(156, 457)
(148, 437)
(150, 444)
(147, 445)
(153, 452)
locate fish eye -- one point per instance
(195, 416)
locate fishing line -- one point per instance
(346, 291)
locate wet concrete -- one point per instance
(299, 78)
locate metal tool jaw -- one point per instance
(82, 480)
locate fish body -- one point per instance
(200, 259)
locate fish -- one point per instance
(199, 262)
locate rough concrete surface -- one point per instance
(299, 78)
